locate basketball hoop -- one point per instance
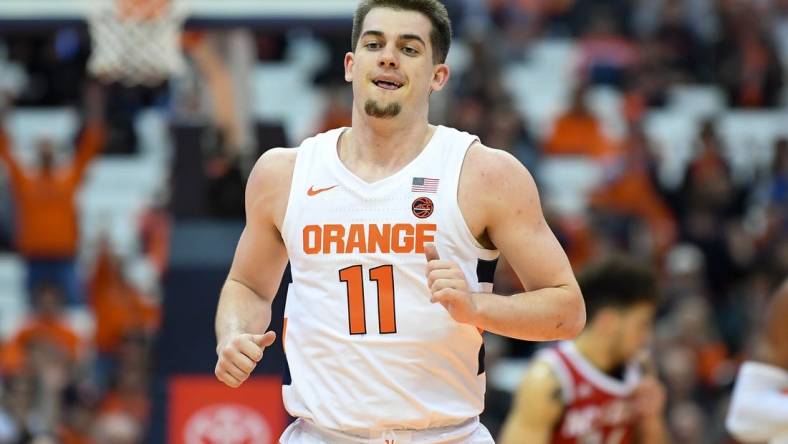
(135, 42)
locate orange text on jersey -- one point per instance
(363, 238)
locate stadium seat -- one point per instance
(13, 297)
(699, 101)
(606, 104)
(567, 181)
(542, 84)
(749, 137)
(672, 135)
(28, 125)
(284, 92)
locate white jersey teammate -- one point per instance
(392, 228)
(759, 407)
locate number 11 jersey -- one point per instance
(366, 349)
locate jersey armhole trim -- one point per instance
(462, 223)
(292, 198)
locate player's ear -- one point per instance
(349, 63)
(606, 317)
(440, 75)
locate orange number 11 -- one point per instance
(354, 278)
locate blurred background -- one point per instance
(654, 127)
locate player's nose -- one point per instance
(388, 58)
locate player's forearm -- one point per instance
(5, 150)
(90, 143)
(546, 314)
(241, 310)
(7, 157)
(653, 431)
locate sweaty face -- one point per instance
(391, 67)
(633, 331)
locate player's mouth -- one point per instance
(388, 84)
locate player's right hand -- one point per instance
(650, 397)
(239, 355)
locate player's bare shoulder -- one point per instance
(541, 378)
(491, 180)
(268, 187)
(494, 174)
(537, 406)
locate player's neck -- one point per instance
(375, 148)
(596, 350)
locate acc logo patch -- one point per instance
(422, 207)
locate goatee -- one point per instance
(372, 108)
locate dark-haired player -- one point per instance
(593, 390)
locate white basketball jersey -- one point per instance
(366, 348)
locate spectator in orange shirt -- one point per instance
(630, 189)
(47, 228)
(748, 64)
(44, 328)
(120, 309)
(578, 132)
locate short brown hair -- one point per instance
(617, 281)
(440, 37)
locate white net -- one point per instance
(136, 42)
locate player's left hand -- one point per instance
(649, 397)
(448, 286)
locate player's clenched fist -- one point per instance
(448, 286)
(239, 355)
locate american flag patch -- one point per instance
(424, 185)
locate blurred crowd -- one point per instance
(720, 244)
(77, 368)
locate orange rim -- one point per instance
(142, 9)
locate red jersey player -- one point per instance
(592, 390)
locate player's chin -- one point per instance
(382, 109)
(384, 116)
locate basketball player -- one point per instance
(392, 228)
(592, 390)
(759, 408)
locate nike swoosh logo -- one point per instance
(313, 192)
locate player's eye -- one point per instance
(410, 50)
(372, 45)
